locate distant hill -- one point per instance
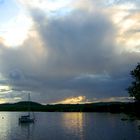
(21, 106)
(112, 107)
(27, 103)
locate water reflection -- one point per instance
(5, 125)
(68, 126)
(27, 129)
(74, 122)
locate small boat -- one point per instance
(27, 118)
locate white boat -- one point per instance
(27, 118)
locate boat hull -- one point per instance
(26, 119)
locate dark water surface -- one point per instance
(69, 126)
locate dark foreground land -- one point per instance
(112, 107)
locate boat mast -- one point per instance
(29, 107)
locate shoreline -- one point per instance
(131, 108)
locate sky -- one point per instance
(68, 51)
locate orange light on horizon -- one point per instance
(72, 100)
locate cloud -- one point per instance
(83, 100)
(72, 100)
(75, 40)
(76, 54)
(112, 99)
(9, 99)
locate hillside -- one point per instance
(112, 107)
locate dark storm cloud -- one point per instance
(83, 42)
(79, 57)
(77, 42)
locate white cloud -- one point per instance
(16, 31)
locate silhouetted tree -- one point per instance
(134, 88)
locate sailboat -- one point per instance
(27, 118)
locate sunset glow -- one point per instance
(72, 100)
(4, 88)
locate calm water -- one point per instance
(69, 126)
